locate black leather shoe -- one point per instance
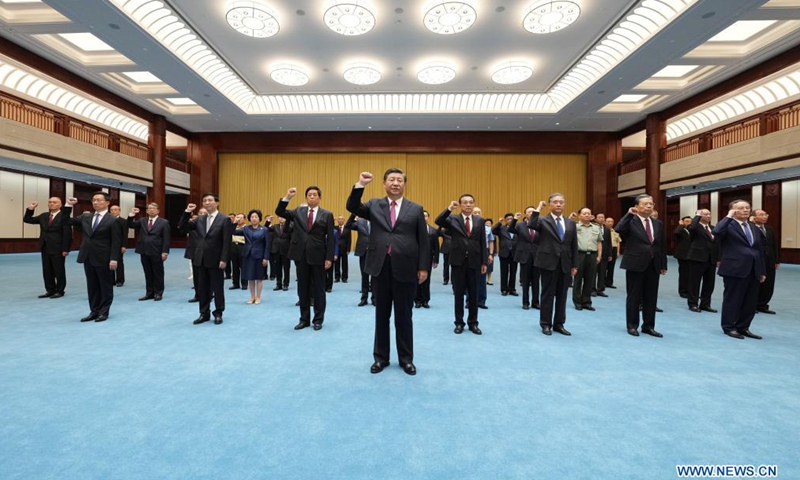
(601, 294)
(766, 310)
(417, 305)
(513, 293)
(194, 300)
(633, 331)
(563, 331)
(694, 309)
(684, 295)
(578, 307)
(749, 334)
(244, 287)
(535, 305)
(459, 329)
(735, 334)
(504, 294)
(200, 320)
(547, 330)
(484, 307)
(410, 369)
(297, 304)
(362, 302)
(217, 320)
(659, 310)
(234, 287)
(90, 317)
(146, 297)
(589, 307)
(157, 297)
(652, 333)
(425, 305)
(709, 310)
(46, 295)
(285, 289)
(378, 367)
(611, 286)
(119, 284)
(277, 288)
(57, 295)
(337, 280)
(475, 330)
(101, 318)
(317, 326)
(445, 282)
(301, 325)
(525, 306)
(594, 294)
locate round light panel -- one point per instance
(349, 18)
(289, 75)
(447, 18)
(510, 73)
(362, 73)
(253, 19)
(436, 73)
(551, 16)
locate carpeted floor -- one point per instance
(147, 395)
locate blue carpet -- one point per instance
(147, 395)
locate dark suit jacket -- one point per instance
(683, 237)
(101, 246)
(313, 246)
(211, 246)
(701, 248)
(362, 227)
(739, 258)
(55, 238)
(408, 237)
(507, 237)
(606, 240)
(470, 251)
(433, 238)
(771, 248)
(153, 242)
(638, 249)
(345, 240)
(281, 237)
(446, 239)
(553, 252)
(525, 247)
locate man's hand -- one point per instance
(632, 211)
(730, 213)
(64, 254)
(422, 275)
(542, 204)
(191, 207)
(777, 266)
(291, 193)
(517, 216)
(435, 265)
(134, 211)
(335, 258)
(72, 201)
(697, 213)
(365, 178)
(112, 265)
(762, 278)
(663, 271)
(573, 216)
(164, 257)
(599, 259)
(573, 272)
(263, 262)
(483, 269)
(453, 205)
(33, 205)
(122, 250)
(328, 264)
(269, 218)
(222, 265)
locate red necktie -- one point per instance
(467, 224)
(710, 235)
(648, 230)
(52, 216)
(530, 230)
(310, 218)
(150, 225)
(393, 219)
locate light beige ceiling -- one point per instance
(399, 44)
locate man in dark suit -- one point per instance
(683, 241)
(469, 257)
(211, 254)
(55, 238)
(644, 260)
(341, 269)
(557, 260)
(508, 266)
(599, 289)
(772, 261)
(399, 259)
(312, 249)
(741, 268)
(118, 275)
(99, 253)
(423, 297)
(524, 255)
(445, 251)
(612, 259)
(191, 241)
(702, 256)
(362, 227)
(152, 247)
(281, 233)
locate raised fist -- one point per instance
(72, 201)
(191, 207)
(365, 178)
(453, 205)
(632, 211)
(731, 213)
(33, 205)
(517, 216)
(291, 193)
(542, 204)
(134, 211)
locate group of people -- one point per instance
(398, 248)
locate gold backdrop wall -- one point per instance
(500, 182)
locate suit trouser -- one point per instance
(705, 273)
(210, 280)
(54, 272)
(365, 278)
(508, 274)
(391, 292)
(153, 268)
(446, 267)
(281, 267)
(311, 283)
(329, 279)
(529, 281)
(642, 290)
(424, 290)
(585, 278)
(465, 280)
(236, 265)
(118, 275)
(739, 302)
(684, 272)
(341, 268)
(766, 289)
(602, 272)
(100, 287)
(612, 265)
(555, 286)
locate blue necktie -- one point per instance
(559, 229)
(97, 220)
(748, 233)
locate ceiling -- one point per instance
(399, 44)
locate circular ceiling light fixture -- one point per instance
(362, 73)
(289, 75)
(551, 16)
(436, 73)
(349, 17)
(447, 18)
(510, 73)
(252, 18)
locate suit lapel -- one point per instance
(403, 210)
(551, 224)
(104, 220)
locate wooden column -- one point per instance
(602, 180)
(201, 155)
(656, 142)
(157, 143)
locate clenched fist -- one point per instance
(365, 179)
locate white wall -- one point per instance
(35, 189)
(714, 207)
(756, 203)
(790, 208)
(13, 201)
(688, 206)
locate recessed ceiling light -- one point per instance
(252, 18)
(86, 42)
(741, 30)
(181, 101)
(551, 16)
(142, 77)
(289, 75)
(630, 98)
(675, 71)
(447, 18)
(512, 72)
(349, 17)
(362, 73)
(436, 73)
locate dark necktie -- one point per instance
(150, 225)
(467, 224)
(530, 231)
(648, 230)
(96, 221)
(708, 231)
(310, 218)
(559, 229)
(52, 216)
(748, 233)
